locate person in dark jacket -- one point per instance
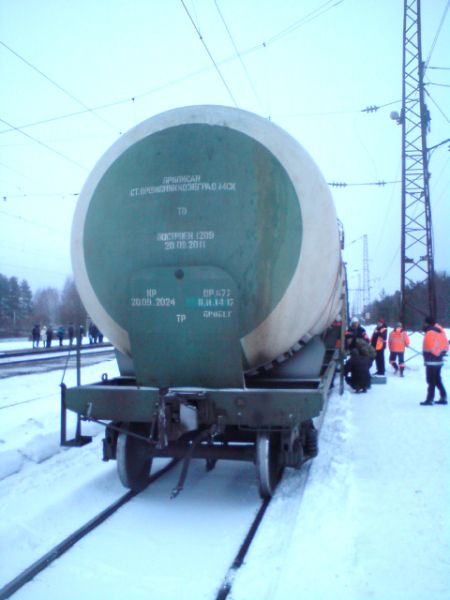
(354, 332)
(93, 333)
(70, 333)
(435, 348)
(61, 332)
(36, 335)
(378, 341)
(356, 371)
(49, 336)
(365, 349)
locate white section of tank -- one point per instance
(312, 299)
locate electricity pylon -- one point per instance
(417, 260)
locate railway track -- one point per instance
(237, 563)
(33, 354)
(24, 362)
(49, 557)
(66, 544)
(28, 574)
(223, 589)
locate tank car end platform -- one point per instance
(268, 421)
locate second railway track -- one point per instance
(24, 362)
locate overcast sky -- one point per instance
(75, 75)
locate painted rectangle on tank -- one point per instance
(184, 327)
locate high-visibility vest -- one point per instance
(398, 340)
(379, 344)
(435, 341)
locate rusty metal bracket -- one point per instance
(203, 435)
(79, 439)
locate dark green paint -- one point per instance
(257, 228)
(177, 314)
(246, 408)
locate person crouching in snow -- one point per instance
(356, 371)
(398, 342)
(435, 348)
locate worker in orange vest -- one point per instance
(378, 341)
(398, 342)
(435, 347)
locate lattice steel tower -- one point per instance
(417, 261)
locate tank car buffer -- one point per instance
(217, 276)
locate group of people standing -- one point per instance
(397, 343)
(364, 351)
(46, 334)
(94, 333)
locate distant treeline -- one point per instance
(20, 309)
(388, 307)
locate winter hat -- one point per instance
(430, 320)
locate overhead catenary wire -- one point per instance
(339, 184)
(60, 154)
(368, 110)
(260, 46)
(244, 67)
(30, 221)
(390, 206)
(437, 105)
(373, 108)
(35, 269)
(317, 12)
(41, 195)
(209, 54)
(59, 87)
(294, 27)
(433, 45)
(438, 84)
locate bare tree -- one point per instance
(46, 306)
(71, 307)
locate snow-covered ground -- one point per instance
(373, 521)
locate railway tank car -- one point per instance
(205, 246)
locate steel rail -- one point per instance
(27, 358)
(52, 349)
(228, 580)
(227, 583)
(42, 563)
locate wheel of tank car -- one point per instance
(311, 446)
(133, 462)
(269, 464)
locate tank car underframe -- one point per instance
(270, 426)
